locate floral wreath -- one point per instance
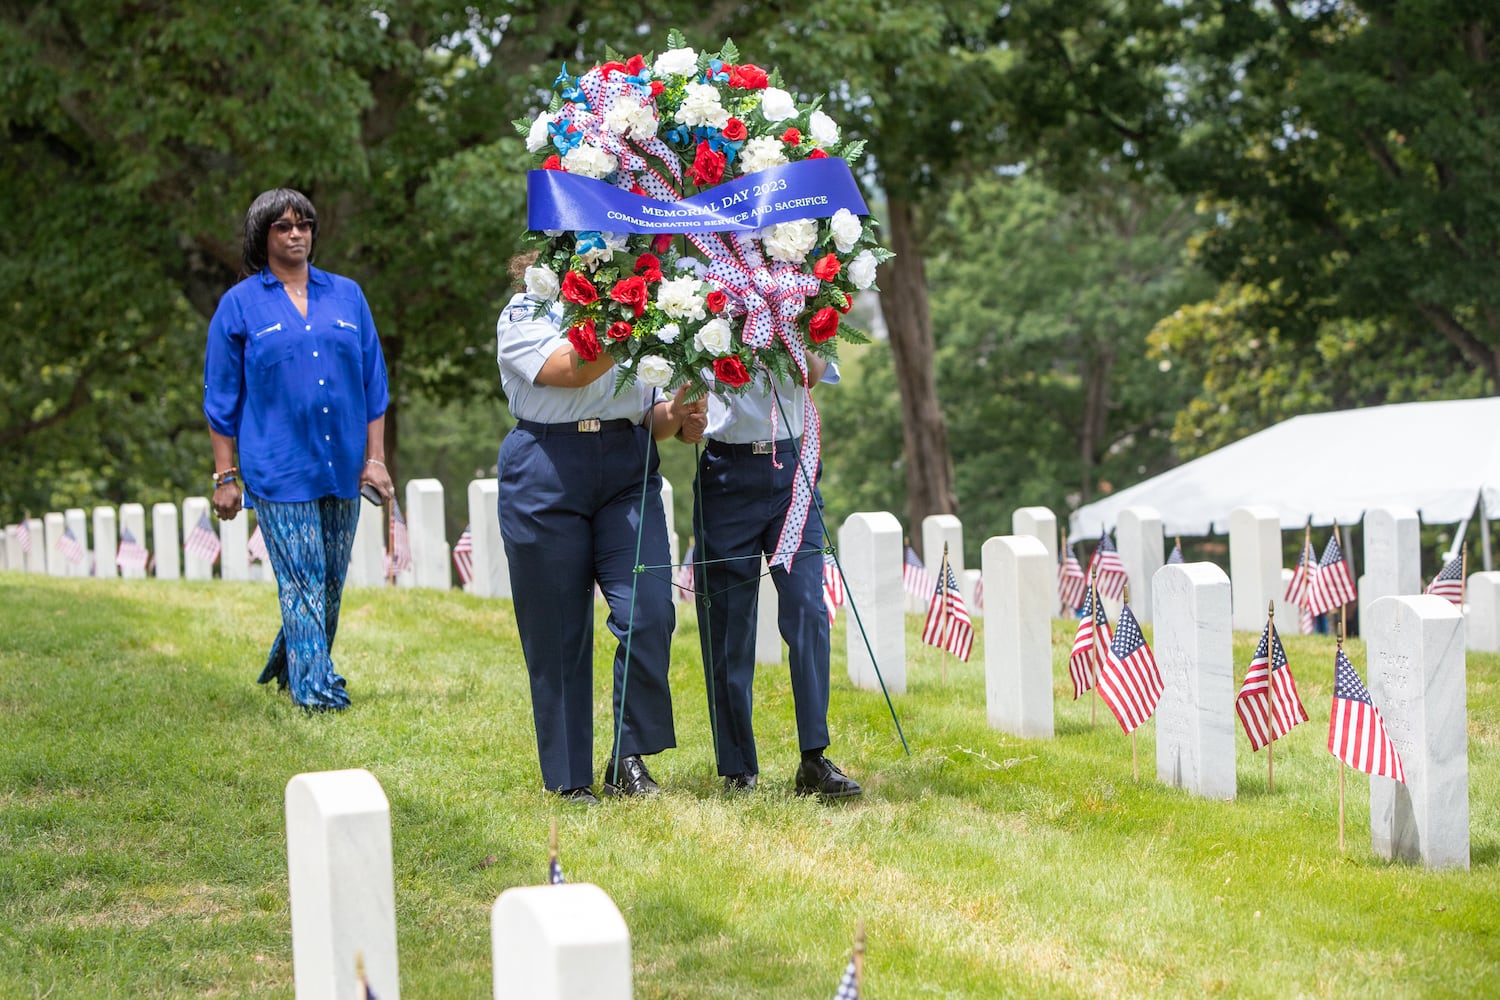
(667, 306)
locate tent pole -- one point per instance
(1484, 532)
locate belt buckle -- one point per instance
(761, 447)
(589, 426)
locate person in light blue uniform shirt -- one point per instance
(579, 492)
(741, 497)
(294, 381)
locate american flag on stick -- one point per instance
(1332, 585)
(979, 594)
(257, 546)
(1175, 556)
(1071, 583)
(1106, 569)
(833, 585)
(132, 554)
(1356, 731)
(1129, 681)
(1083, 661)
(398, 558)
(69, 546)
(463, 556)
(554, 866)
(914, 576)
(1252, 704)
(1299, 586)
(848, 988)
(948, 625)
(1449, 583)
(23, 533)
(682, 580)
(203, 541)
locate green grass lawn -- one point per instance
(143, 847)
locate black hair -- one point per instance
(267, 207)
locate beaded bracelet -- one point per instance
(227, 476)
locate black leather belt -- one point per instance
(788, 445)
(593, 425)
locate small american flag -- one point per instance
(682, 580)
(1071, 583)
(203, 541)
(463, 555)
(1356, 731)
(23, 533)
(1175, 556)
(833, 585)
(554, 872)
(1107, 570)
(398, 559)
(1299, 586)
(69, 546)
(132, 554)
(257, 546)
(1129, 681)
(849, 983)
(1332, 586)
(1252, 703)
(979, 594)
(1449, 582)
(1083, 662)
(914, 576)
(948, 625)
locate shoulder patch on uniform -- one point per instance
(518, 312)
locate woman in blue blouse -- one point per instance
(295, 382)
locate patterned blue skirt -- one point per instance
(309, 544)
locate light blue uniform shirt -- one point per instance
(741, 418)
(298, 393)
(525, 342)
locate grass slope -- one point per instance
(143, 851)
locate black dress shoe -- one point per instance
(632, 779)
(740, 782)
(582, 796)
(821, 777)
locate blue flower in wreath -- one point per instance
(716, 73)
(589, 240)
(564, 136)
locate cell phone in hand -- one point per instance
(370, 493)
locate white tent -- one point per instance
(1435, 458)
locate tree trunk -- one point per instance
(903, 302)
(1096, 374)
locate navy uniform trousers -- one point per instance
(570, 513)
(740, 502)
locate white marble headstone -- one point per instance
(52, 528)
(1139, 538)
(768, 606)
(166, 542)
(366, 561)
(343, 890)
(1254, 564)
(1393, 555)
(669, 508)
(36, 559)
(871, 553)
(1417, 680)
(1193, 643)
(939, 530)
(1018, 597)
(106, 542)
(1288, 615)
(77, 520)
(195, 567)
(559, 942)
(14, 559)
(1038, 522)
(1482, 608)
(234, 536)
(431, 567)
(491, 570)
(133, 519)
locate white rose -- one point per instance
(701, 107)
(675, 62)
(669, 333)
(776, 104)
(589, 161)
(790, 242)
(761, 153)
(846, 229)
(679, 298)
(618, 118)
(824, 130)
(862, 270)
(714, 337)
(654, 371)
(542, 283)
(537, 138)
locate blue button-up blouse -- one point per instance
(297, 393)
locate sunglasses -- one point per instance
(284, 227)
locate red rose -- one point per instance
(657, 87)
(583, 340)
(612, 67)
(827, 268)
(817, 154)
(848, 304)
(578, 289)
(730, 371)
(717, 300)
(553, 162)
(634, 65)
(748, 77)
(661, 242)
(791, 137)
(631, 292)
(619, 330)
(735, 130)
(648, 266)
(708, 166)
(823, 325)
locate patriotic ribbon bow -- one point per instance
(601, 91)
